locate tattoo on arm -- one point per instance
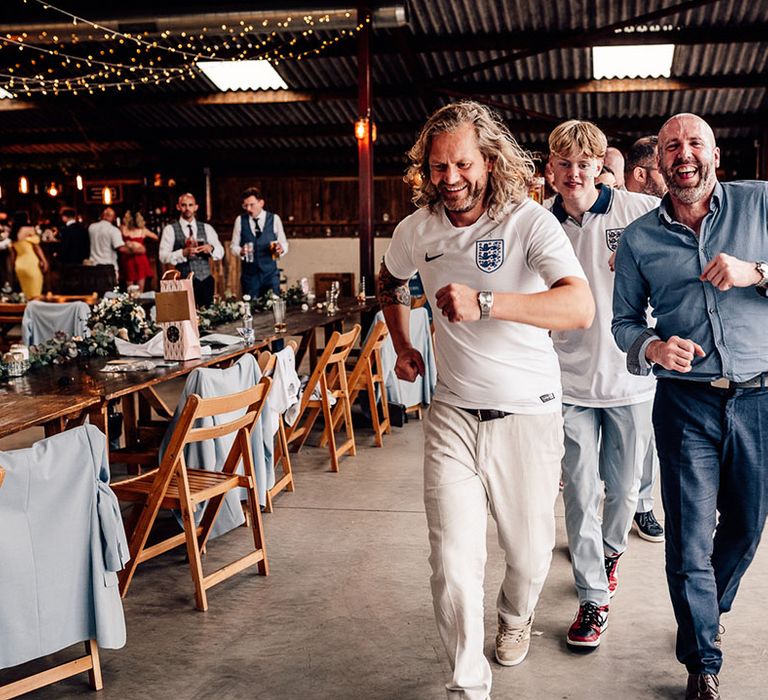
(391, 290)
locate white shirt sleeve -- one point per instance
(548, 251)
(234, 246)
(166, 253)
(280, 233)
(213, 239)
(399, 255)
(117, 237)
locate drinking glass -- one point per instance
(278, 311)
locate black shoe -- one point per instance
(648, 527)
(702, 686)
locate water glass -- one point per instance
(247, 334)
(247, 252)
(278, 311)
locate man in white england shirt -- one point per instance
(500, 272)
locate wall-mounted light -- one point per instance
(106, 196)
(79, 182)
(23, 185)
(361, 129)
(52, 190)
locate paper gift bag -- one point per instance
(177, 316)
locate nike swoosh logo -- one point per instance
(430, 258)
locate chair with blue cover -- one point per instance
(42, 320)
(61, 544)
(174, 485)
(413, 395)
(281, 367)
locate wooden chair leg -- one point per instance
(94, 673)
(329, 432)
(374, 409)
(195, 560)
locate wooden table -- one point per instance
(62, 396)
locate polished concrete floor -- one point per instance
(346, 612)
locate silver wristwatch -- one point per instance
(485, 300)
(762, 286)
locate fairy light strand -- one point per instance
(35, 77)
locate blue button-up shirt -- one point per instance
(659, 261)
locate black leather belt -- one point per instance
(484, 414)
(758, 382)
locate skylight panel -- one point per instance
(633, 61)
(242, 75)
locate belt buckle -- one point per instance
(721, 383)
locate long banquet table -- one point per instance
(61, 396)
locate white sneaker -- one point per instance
(512, 643)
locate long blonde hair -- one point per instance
(512, 171)
(133, 222)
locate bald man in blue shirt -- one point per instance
(699, 262)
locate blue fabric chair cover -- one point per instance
(42, 319)
(61, 542)
(420, 391)
(210, 454)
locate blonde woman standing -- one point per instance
(29, 262)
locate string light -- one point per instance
(42, 73)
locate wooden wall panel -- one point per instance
(312, 206)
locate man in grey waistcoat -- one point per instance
(190, 245)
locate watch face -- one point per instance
(173, 334)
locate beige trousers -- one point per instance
(511, 466)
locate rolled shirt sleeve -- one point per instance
(166, 253)
(234, 245)
(280, 233)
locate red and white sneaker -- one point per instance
(590, 622)
(611, 571)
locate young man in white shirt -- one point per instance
(607, 411)
(258, 238)
(190, 245)
(500, 273)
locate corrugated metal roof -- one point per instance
(414, 74)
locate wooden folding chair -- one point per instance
(174, 486)
(329, 377)
(367, 374)
(281, 455)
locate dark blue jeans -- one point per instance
(713, 452)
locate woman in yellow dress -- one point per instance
(29, 261)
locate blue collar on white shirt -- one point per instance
(601, 206)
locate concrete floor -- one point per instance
(346, 611)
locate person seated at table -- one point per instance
(258, 238)
(136, 265)
(29, 261)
